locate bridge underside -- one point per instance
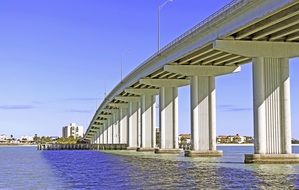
(263, 32)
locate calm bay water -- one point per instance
(27, 168)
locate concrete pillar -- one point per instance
(203, 117)
(92, 140)
(123, 113)
(148, 103)
(101, 135)
(115, 127)
(133, 121)
(168, 118)
(168, 91)
(110, 131)
(272, 110)
(98, 137)
(271, 97)
(105, 133)
(139, 126)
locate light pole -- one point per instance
(159, 10)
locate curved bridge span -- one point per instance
(264, 32)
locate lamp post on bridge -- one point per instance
(159, 10)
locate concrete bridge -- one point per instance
(264, 32)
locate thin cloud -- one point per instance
(232, 108)
(80, 99)
(78, 111)
(16, 107)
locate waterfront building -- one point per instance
(3, 139)
(26, 140)
(185, 141)
(234, 139)
(72, 130)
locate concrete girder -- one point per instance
(97, 126)
(165, 82)
(118, 105)
(140, 91)
(108, 110)
(258, 48)
(102, 120)
(199, 70)
(106, 116)
(128, 98)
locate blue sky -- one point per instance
(59, 57)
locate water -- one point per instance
(27, 168)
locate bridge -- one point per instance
(264, 32)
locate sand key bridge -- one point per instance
(264, 32)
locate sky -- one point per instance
(58, 59)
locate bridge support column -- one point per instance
(272, 111)
(110, 131)
(105, 133)
(123, 113)
(168, 102)
(101, 135)
(168, 112)
(115, 127)
(271, 97)
(148, 141)
(98, 137)
(203, 117)
(203, 105)
(146, 118)
(132, 139)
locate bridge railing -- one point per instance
(226, 9)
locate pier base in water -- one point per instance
(145, 150)
(192, 153)
(271, 158)
(167, 151)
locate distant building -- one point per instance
(185, 141)
(157, 137)
(235, 139)
(3, 139)
(72, 130)
(26, 140)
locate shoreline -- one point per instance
(10, 145)
(249, 144)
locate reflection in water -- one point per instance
(280, 176)
(31, 169)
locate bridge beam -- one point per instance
(128, 98)
(165, 82)
(105, 116)
(118, 105)
(201, 70)
(140, 91)
(271, 97)
(258, 48)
